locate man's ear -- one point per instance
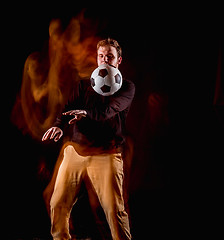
(119, 60)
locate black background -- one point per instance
(167, 49)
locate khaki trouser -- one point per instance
(105, 172)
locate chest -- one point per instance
(92, 99)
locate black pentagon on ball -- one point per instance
(117, 78)
(103, 73)
(92, 82)
(105, 88)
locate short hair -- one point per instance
(111, 42)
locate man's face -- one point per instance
(108, 54)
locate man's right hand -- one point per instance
(53, 132)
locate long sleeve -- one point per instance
(104, 125)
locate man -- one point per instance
(96, 124)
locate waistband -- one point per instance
(85, 150)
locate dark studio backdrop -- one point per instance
(175, 130)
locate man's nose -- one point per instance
(105, 59)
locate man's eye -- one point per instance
(110, 56)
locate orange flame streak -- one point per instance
(49, 78)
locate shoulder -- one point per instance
(84, 83)
(84, 86)
(128, 85)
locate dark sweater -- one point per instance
(104, 125)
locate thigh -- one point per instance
(118, 175)
(106, 175)
(69, 178)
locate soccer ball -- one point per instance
(106, 80)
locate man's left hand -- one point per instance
(78, 114)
